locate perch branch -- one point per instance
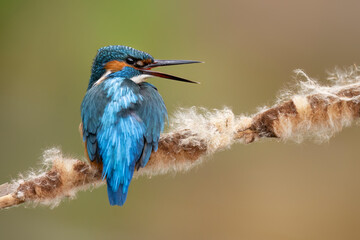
(310, 111)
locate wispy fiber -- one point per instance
(310, 110)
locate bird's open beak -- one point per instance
(160, 63)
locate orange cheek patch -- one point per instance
(115, 66)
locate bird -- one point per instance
(122, 115)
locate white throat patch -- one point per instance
(140, 78)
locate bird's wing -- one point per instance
(154, 114)
(92, 110)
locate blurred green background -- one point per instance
(267, 190)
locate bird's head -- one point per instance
(129, 63)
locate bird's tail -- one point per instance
(116, 197)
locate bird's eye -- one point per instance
(139, 63)
(130, 61)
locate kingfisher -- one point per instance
(123, 115)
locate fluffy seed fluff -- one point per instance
(59, 177)
(321, 110)
(310, 110)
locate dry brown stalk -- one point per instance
(312, 111)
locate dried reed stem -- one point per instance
(312, 110)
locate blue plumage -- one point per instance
(122, 116)
(121, 128)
